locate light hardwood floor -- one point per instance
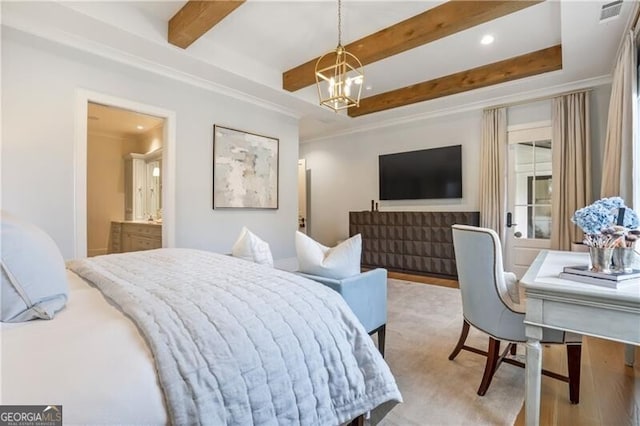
(609, 390)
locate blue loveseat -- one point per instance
(366, 295)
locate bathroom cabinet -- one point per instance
(135, 236)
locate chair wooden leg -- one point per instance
(463, 337)
(513, 349)
(382, 331)
(490, 368)
(358, 421)
(574, 355)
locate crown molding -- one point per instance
(533, 95)
(89, 46)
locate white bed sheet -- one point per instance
(90, 358)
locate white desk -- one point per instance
(587, 309)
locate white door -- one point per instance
(528, 195)
(303, 223)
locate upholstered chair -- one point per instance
(366, 295)
(490, 303)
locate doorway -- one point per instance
(124, 182)
(160, 193)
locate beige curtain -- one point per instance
(493, 170)
(571, 166)
(617, 166)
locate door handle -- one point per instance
(509, 220)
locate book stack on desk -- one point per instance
(585, 275)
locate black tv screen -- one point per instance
(425, 174)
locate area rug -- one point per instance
(424, 323)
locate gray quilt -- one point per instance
(237, 343)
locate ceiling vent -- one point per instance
(610, 11)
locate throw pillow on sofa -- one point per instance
(341, 261)
(250, 247)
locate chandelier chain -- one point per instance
(339, 23)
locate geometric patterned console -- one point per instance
(412, 242)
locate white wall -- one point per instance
(531, 112)
(39, 83)
(344, 169)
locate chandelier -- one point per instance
(339, 84)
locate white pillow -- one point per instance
(341, 261)
(34, 280)
(250, 247)
(513, 286)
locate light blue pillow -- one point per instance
(34, 281)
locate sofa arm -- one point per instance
(366, 295)
(329, 282)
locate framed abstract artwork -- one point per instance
(245, 170)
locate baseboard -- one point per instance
(423, 279)
(97, 252)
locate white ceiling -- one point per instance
(247, 52)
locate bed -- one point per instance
(265, 346)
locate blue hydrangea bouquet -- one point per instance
(608, 223)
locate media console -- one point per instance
(411, 242)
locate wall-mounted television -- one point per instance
(425, 174)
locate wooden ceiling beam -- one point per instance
(538, 62)
(441, 21)
(196, 18)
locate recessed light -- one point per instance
(140, 127)
(487, 39)
(368, 87)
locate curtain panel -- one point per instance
(620, 142)
(493, 170)
(571, 166)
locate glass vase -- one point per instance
(623, 259)
(601, 259)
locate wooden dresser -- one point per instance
(134, 236)
(409, 242)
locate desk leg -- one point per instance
(533, 375)
(629, 354)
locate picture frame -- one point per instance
(245, 170)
